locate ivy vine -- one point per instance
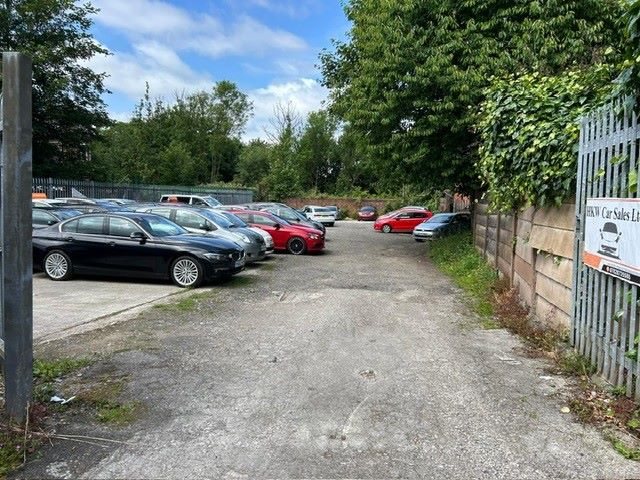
(529, 130)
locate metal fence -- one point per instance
(58, 187)
(605, 317)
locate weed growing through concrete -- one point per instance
(118, 414)
(185, 304)
(49, 370)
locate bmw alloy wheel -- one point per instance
(186, 272)
(57, 266)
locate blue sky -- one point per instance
(269, 48)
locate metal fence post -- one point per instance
(17, 293)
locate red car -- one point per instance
(403, 220)
(367, 213)
(296, 239)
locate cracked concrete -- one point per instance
(351, 364)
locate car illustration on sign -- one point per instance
(610, 237)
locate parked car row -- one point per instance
(180, 238)
(420, 222)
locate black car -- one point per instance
(45, 217)
(133, 245)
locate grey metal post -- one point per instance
(17, 294)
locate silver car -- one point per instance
(204, 221)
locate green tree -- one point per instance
(284, 171)
(317, 152)
(412, 73)
(355, 169)
(194, 141)
(67, 107)
(253, 163)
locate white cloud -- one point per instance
(204, 34)
(158, 65)
(304, 94)
(142, 16)
(245, 36)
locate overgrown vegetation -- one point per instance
(457, 257)
(529, 130)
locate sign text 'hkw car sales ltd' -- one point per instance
(612, 237)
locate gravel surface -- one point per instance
(363, 362)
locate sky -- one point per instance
(269, 48)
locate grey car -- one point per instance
(441, 225)
(205, 221)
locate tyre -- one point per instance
(57, 265)
(187, 272)
(419, 240)
(296, 246)
(386, 228)
(332, 224)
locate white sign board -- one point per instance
(612, 237)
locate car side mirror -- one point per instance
(138, 236)
(51, 222)
(277, 226)
(204, 226)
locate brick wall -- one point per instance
(534, 250)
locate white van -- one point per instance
(202, 200)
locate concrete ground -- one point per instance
(60, 308)
(363, 362)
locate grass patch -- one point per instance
(45, 372)
(456, 256)
(14, 450)
(48, 371)
(104, 398)
(627, 452)
(268, 267)
(118, 414)
(490, 324)
(573, 364)
(185, 304)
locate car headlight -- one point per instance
(313, 236)
(216, 256)
(244, 238)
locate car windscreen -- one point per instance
(159, 226)
(216, 218)
(322, 210)
(235, 220)
(441, 218)
(280, 219)
(367, 209)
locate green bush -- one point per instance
(457, 257)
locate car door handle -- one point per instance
(112, 244)
(68, 239)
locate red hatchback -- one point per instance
(403, 220)
(296, 239)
